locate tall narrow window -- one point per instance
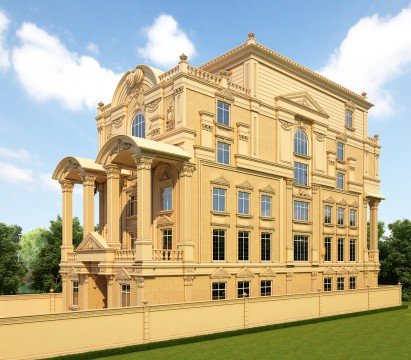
(218, 245)
(138, 126)
(243, 289)
(265, 246)
(265, 287)
(219, 199)
(327, 249)
(243, 237)
(340, 151)
(300, 143)
(300, 211)
(265, 206)
(353, 282)
(340, 248)
(327, 284)
(75, 293)
(340, 180)
(223, 113)
(348, 118)
(327, 214)
(243, 203)
(353, 250)
(353, 217)
(340, 283)
(133, 238)
(300, 248)
(125, 295)
(167, 239)
(218, 291)
(132, 205)
(340, 216)
(167, 198)
(300, 173)
(223, 153)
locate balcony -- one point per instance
(167, 255)
(125, 256)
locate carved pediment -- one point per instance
(246, 185)
(354, 204)
(342, 202)
(164, 220)
(329, 200)
(267, 272)
(225, 95)
(220, 273)
(268, 189)
(329, 271)
(222, 181)
(341, 137)
(353, 270)
(304, 99)
(73, 273)
(342, 271)
(245, 273)
(93, 241)
(123, 274)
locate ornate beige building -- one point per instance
(248, 176)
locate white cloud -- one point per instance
(49, 71)
(48, 183)
(375, 51)
(12, 173)
(4, 53)
(93, 48)
(166, 41)
(20, 154)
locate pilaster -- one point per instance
(113, 211)
(67, 218)
(317, 220)
(289, 221)
(88, 203)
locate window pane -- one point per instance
(243, 289)
(138, 127)
(327, 249)
(223, 113)
(340, 180)
(218, 244)
(300, 248)
(243, 202)
(300, 143)
(340, 249)
(265, 287)
(300, 211)
(243, 237)
(223, 153)
(219, 199)
(327, 214)
(166, 195)
(266, 206)
(300, 173)
(265, 247)
(340, 151)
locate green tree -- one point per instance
(395, 255)
(45, 271)
(30, 245)
(12, 269)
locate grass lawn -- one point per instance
(384, 335)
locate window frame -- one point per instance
(140, 127)
(225, 149)
(264, 247)
(225, 112)
(243, 199)
(264, 285)
(349, 118)
(340, 219)
(328, 217)
(219, 249)
(167, 239)
(353, 250)
(327, 283)
(353, 217)
(340, 249)
(167, 191)
(301, 248)
(352, 283)
(301, 143)
(215, 194)
(244, 287)
(243, 245)
(75, 292)
(300, 173)
(264, 204)
(328, 249)
(340, 283)
(340, 180)
(125, 294)
(299, 209)
(340, 151)
(217, 289)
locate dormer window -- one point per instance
(138, 126)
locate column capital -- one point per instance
(143, 161)
(66, 185)
(374, 204)
(289, 183)
(88, 179)
(187, 170)
(113, 171)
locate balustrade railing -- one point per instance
(125, 255)
(167, 255)
(71, 256)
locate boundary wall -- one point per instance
(30, 304)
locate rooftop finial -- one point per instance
(251, 38)
(364, 94)
(251, 35)
(183, 57)
(100, 104)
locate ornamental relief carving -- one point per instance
(121, 146)
(286, 125)
(118, 122)
(319, 136)
(207, 127)
(153, 105)
(170, 118)
(71, 166)
(66, 186)
(243, 137)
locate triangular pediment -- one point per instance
(267, 272)
(222, 181)
(341, 137)
(342, 270)
(329, 200)
(304, 99)
(220, 273)
(354, 204)
(123, 274)
(342, 202)
(164, 220)
(268, 189)
(353, 270)
(73, 273)
(93, 241)
(225, 95)
(329, 271)
(245, 185)
(245, 273)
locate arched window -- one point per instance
(300, 143)
(138, 126)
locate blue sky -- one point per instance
(59, 58)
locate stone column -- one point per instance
(84, 292)
(102, 210)
(88, 203)
(65, 292)
(364, 230)
(186, 213)
(144, 242)
(110, 281)
(113, 211)
(317, 221)
(67, 218)
(374, 230)
(289, 221)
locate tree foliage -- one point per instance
(45, 269)
(12, 269)
(30, 245)
(395, 255)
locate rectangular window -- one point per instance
(219, 199)
(218, 292)
(327, 249)
(125, 295)
(265, 246)
(348, 118)
(132, 206)
(353, 282)
(340, 283)
(340, 249)
(133, 238)
(223, 113)
(218, 245)
(300, 211)
(167, 239)
(300, 248)
(353, 217)
(166, 196)
(340, 180)
(353, 250)
(340, 151)
(223, 153)
(340, 216)
(243, 289)
(300, 173)
(328, 214)
(243, 203)
(265, 287)
(327, 284)
(265, 206)
(243, 237)
(75, 293)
